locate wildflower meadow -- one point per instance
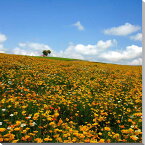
(55, 101)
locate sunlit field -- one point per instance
(45, 100)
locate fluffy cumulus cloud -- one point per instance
(137, 37)
(122, 30)
(30, 48)
(80, 51)
(131, 55)
(79, 26)
(93, 49)
(3, 38)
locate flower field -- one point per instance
(44, 100)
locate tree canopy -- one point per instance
(46, 52)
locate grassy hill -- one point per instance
(59, 58)
(53, 100)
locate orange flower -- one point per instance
(101, 141)
(122, 126)
(118, 121)
(1, 139)
(38, 140)
(134, 137)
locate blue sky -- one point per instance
(97, 30)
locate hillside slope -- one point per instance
(46, 100)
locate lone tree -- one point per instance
(46, 52)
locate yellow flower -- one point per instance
(36, 115)
(124, 131)
(107, 128)
(76, 134)
(56, 135)
(95, 124)
(137, 114)
(32, 134)
(24, 131)
(137, 132)
(108, 140)
(51, 123)
(35, 131)
(93, 141)
(11, 136)
(96, 115)
(59, 139)
(81, 136)
(27, 128)
(47, 139)
(27, 136)
(56, 114)
(6, 139)
(60, 122)
(17, 129)
(65, 135)
(15, 113)
(23, 112)
(134, 137)
(100, 133)
(15, 141)
(116, 135)
(84, 128)
(49, 118)
(101, 141)
(35, 118)
(130, 130)
(2, 129)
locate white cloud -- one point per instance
(137, 61)
(143, 0)
(81, 51)
(30, 48)
(122, 30)
(130, 53)
(94, 49)
(35, 46)
(70, 53)
(2, 38)
(137, 37)
(79, 26)
(21, 51)
(100, 52)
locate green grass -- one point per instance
(59, 58)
